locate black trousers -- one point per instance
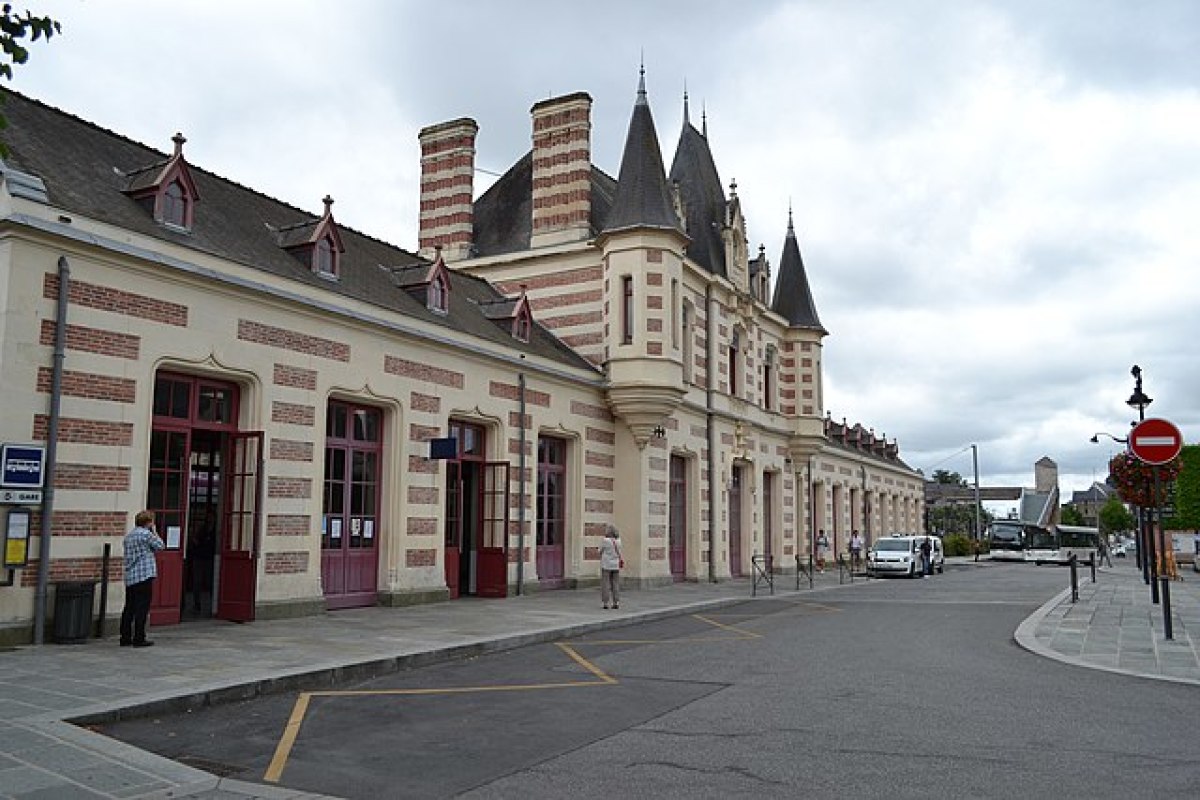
(136, 611)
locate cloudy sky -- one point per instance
(996, 201)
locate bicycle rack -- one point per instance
(805, 571)
(761, 566)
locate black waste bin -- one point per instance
(73, 611)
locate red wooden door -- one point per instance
(677, 523)
(735, 523)
(492, 562)
(242, 490)
(551, 510)
(350, 526)
(768, 524)
(166, 493)
(453, 532)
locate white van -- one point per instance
(901, 555)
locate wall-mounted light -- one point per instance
(659, 432)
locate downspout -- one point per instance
(709, 344)
(521, 483)
(60, 347)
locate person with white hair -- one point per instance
(611, 562)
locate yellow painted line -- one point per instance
(583, 662)
(742, 633)
(284, 748)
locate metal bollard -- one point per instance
(1092, 564)
(1074, 578)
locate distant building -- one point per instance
(1089, 502)
(355, 424)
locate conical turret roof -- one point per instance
(793, 299)
(694, 170)
(642, 198)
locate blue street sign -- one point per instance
(22, 466)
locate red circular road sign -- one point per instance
(1155, 441)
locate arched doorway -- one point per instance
(477, 514)
(350, 505)
(203, 484)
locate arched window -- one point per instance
(439, 295)
(174, 205)
(627, 309)
(323, 260)
(522, 326)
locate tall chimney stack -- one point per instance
(562, 170)
(447, 181)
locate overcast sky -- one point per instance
(998, 203)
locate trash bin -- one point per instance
(73, 611)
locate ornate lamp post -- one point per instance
(1139, 400)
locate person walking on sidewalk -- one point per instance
(1102, 552)
(822, 550)
(140, 572)
(611, 562)
(856, 546)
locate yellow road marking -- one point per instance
(583, 662)
(742, 634)
(284, 748)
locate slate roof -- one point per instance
(504, 213)
(695, 172)
(642, 198)
(86, 170)
(793, 297)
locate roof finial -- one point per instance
(179, 140)
(328, 201)
(733, 188)
(642, 78)
(791, 230)
(703, 119)
(686, 121)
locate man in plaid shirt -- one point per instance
(140, 571)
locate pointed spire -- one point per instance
(686, 121)
(643, 198)
(703, 119)
(793, 297)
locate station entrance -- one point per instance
(203, 485)
(477, 514)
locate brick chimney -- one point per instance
(562, 170)
(447, 180)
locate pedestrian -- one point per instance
(856, 546)
(926, 557)
(822, 550)
(1102, 554)
(611, 563)
(140, 571)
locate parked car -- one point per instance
(901, 555)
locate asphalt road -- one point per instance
(891, 688)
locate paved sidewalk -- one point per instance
(44, 756)
(1114, 625)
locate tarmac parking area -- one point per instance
(444, 729)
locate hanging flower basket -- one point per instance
(1134, 479)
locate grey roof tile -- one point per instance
(642, 198)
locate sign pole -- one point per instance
(1166, 579)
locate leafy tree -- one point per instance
(1070, 515)
(1115, 517)
(14, 29)
(1186, 495)
(947, 477)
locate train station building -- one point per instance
(322, 420)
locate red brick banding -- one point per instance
(85, 431)
(394, 365)
(293, 413)
(94, 340)
(420, 557)
(269, 335)
(295, 377)
(288, 524)
(126, 304)
(91, 477)
(285, 563)
(291, 450)
(89, 385)
(279, 486)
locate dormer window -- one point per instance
(316, 243)
(523, 325)
(439, 294)
(174, 205)
(323, 258)
(166, 189)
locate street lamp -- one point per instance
(1096, 438)
(1138, 399)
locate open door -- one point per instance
(492, 578)
(240, 527)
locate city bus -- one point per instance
(1077, 540)
(1014, 540)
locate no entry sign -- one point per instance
(1155, 441)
